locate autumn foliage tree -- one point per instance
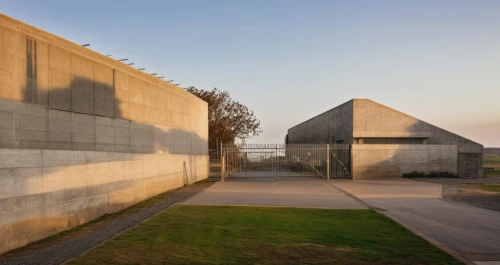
(227, 119)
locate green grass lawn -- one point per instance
(187, 234)
(490, 187)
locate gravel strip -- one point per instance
(468, 191)
(72, 247)
(477, 200)
(460, 181)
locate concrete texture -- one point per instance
(391, 160)
(471, 232)
(43, 192)
(332, 126)
(72, 245)
(310, 193)
(82, 135)
(366, 123)
(39, 68)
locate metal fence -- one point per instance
(214, 165)
(279, 161)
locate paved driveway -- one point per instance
(305, 193)
(472, 232)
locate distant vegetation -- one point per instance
(491, 159)
(227, 119)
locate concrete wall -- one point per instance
(82, 135)
(368, 123)
(39, 68)
(333, 125)
(385, 161)
(376, 121)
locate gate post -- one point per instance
(223, 167)
(327, 161)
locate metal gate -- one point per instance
(290, 161)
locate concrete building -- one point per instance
(388, 143)
(83, 135)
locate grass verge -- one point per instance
(190, 234)
(102, 220)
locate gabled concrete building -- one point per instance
(388, 143)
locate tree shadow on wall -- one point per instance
(90, 97)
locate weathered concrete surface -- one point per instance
(365, 122)
(332, 126)
(471, 232)
(40, 68)
(391, 160)
(65, 247)
(82, 134)
(312, 193)
(379, 120)
(51, 73)
(30, 126)
(43, 192)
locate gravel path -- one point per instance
(72, 247)
(460, 181)
(468, 191)
(477, 200)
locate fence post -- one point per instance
(276, 163)
(327, 161)
(223, 167)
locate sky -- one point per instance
(288, 61)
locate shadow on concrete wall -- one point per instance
(33, 224)
(90, 97)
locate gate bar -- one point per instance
(327, 161)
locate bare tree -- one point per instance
(227, 119)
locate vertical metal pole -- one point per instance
(275, 163)
(223, 168)
(327, 161)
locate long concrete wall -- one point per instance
(332, 126)
(82, 135)
(385, 161)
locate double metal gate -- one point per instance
(278, 161)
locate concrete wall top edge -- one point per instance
(72, 47)
(324, 113)
(364, 101)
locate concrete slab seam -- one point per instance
(348, 194)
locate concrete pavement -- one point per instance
(472, 232)
(305, 193)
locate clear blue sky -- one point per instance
(291, 60)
